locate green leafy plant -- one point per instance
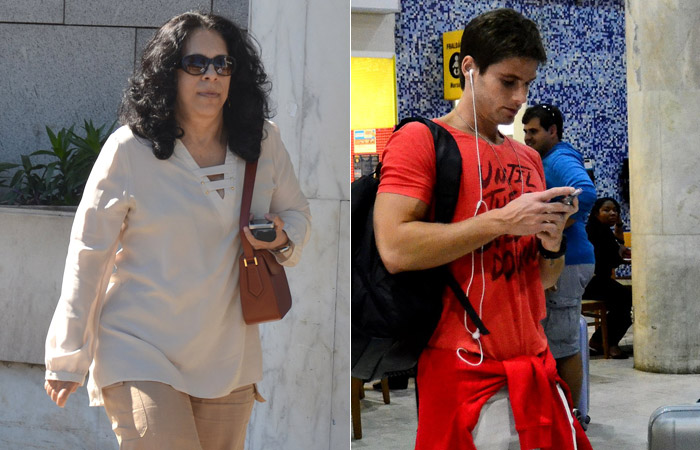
(61, 180)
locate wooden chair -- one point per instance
(596, 309)
(357, 393)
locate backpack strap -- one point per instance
(448, 175)
(448, 169)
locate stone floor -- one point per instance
(621, 401)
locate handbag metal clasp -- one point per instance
(255, 261)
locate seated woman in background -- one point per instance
(609, 254)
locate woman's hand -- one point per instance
(59, 391)
(281, 238)
(619, 230)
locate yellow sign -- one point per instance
(450, 61)
(365, 141)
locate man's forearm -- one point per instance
(422, 245)
(550, 269)
(407, 242)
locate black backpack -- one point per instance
(394, 316)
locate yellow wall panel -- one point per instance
(373, 99)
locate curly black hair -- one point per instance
(148, 103)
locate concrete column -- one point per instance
(663, 79)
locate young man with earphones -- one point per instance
(504, 246)
(563, 166)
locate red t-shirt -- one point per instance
(513, 303)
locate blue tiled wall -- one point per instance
(584, 75)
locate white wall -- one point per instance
(306, 356)
(373, 33)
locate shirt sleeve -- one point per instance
(288, 201)
(570, 171)
(98, 222)
(408, 163)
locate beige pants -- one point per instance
(148, 415)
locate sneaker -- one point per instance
(584, 421)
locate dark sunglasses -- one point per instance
(224, 65)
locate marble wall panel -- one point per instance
(299, 350)
(32, 11)
(63, 75)
(325, 164)
(663, 116)
(340, 431)
(689, 53)
(307, 363)
(310, 80)
(657, 19)
(675, 52)
(279, 27)
(373, 32)
(680, 162)
(645, 163)
(666, 305)
(30, 420)
(634, 62)
(151, 13)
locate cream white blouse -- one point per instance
(150, 288)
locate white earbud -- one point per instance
(471, 79)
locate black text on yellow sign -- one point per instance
(451, 41)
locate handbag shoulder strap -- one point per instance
(248, 183)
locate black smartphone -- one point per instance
(263, 230)
(569, 199)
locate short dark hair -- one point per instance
(599, 204)
(148, 103)
(548, 114)
(499, 34)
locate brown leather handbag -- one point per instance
(265, 293)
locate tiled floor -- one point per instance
(621, 401)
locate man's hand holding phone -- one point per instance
(551, 240)
(569, 199)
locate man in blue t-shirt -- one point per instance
(563, 166)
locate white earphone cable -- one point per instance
(476, 335)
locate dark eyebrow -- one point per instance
(515, 77)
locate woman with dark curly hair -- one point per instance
(610, 252)
(158, 323)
